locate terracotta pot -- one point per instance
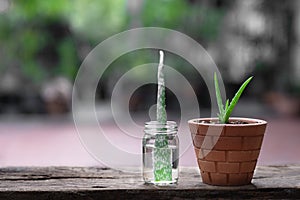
(227, 153)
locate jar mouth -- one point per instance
(155, 127)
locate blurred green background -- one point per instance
(42, 44)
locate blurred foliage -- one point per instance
(30, 10)
(31, 42)
(41, 37)
(206, 22)
(168, 14)
(44, 39)
(195, 19)
(97, 20)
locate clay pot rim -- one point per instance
(250, 121)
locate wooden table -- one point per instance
(103, 183)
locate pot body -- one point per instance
(227, 153)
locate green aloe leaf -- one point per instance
(224, 113)
(226, 105)
(219, 98)
(235, 99)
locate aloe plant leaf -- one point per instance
(235, 99)
(226, 105)
(219, 98)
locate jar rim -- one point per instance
(155, 127)
(161, 123)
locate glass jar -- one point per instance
(160, 153)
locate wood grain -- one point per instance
(104, 183)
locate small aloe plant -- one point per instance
(225, 112)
